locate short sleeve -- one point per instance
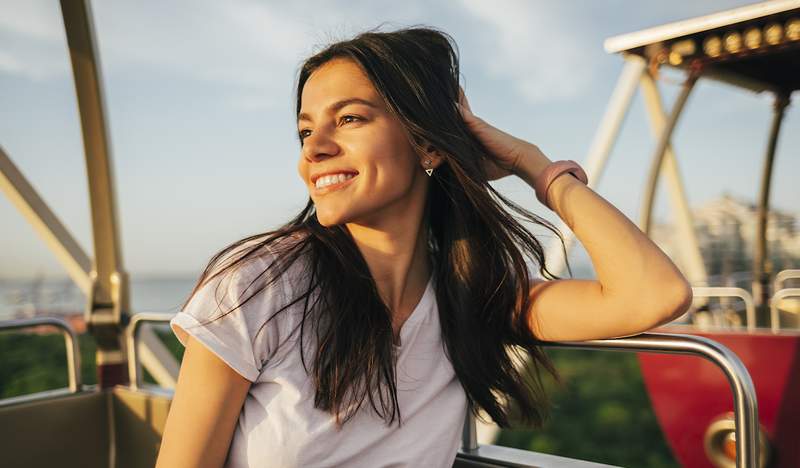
(244, 338)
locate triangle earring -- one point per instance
(429, 170)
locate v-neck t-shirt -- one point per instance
(278, 425)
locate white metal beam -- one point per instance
(45, 222)
(688, 246)
(156, 358)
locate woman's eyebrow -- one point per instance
(338, 105)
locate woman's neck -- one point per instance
(396, 253)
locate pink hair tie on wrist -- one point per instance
(553, 170)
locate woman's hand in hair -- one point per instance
(508, 154)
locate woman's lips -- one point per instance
(333, 187)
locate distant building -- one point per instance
(726, 232)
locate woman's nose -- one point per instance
(318, 146)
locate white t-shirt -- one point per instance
(279, 426)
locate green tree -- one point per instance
(601, 413)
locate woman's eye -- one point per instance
(354, 117)
(345, 119)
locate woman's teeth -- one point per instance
(327, 180)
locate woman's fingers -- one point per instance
(504, 149)
(462, 99)
(468, 116)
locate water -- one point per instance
(59, 296)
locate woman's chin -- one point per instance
(342, 214)
(328, 219)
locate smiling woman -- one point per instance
(356, 334)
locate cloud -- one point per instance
(246, 49)
(533, 45)
(37, 19)
(10, 63)
(32, 39)
(544, 48)
(250, 48)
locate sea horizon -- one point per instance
(154, 292)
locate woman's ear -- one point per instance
(430, 158)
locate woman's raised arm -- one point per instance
(637, 287)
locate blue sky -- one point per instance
(199, 99)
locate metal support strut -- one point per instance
(108, 304)
(761, 266)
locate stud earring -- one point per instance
(429, 170)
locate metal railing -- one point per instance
(70, 340)
(775, 316)
(745, 403)
(782, 276)
(744, 394)
(724, 291)
(134, 368)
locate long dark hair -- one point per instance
(478, 246)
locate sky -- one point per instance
(199, 99)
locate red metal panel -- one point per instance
(687, 393)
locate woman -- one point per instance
(356, 334)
